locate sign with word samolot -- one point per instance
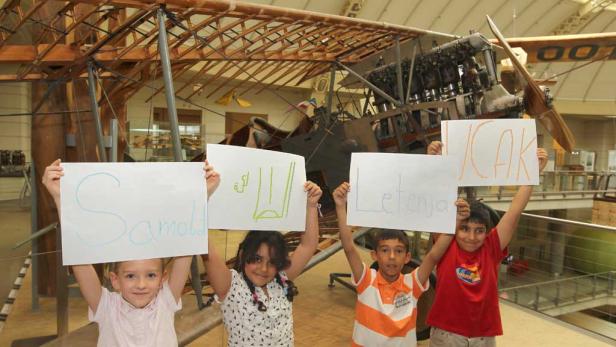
(259, 189)
(492, 151)
(127, 211)
(403, 191)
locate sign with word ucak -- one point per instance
(492, 151)
(127, 211)
(259, 189)
(403, 191)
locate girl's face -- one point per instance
(262, 271)
(138, 280)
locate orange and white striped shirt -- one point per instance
(386, 313)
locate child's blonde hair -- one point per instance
(114, 267)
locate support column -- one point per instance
(48, 144)
(102, 153)
(165, 63)
(400, 87)
(330, 93)
(558, 239)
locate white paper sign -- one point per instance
(259, 189)
(493, 151)
(127, 211)
(403, 191)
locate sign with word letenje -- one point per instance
(259, 189)
(492, 151)
(128, 211)
(403, 191)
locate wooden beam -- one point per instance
(264, 72)
(47, 145)
(284, 73)
(205, 83)
(195, 76)
(241, 69)
(22, 18)
(60, 55)
(280, 14)
(72, 26)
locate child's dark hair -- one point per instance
(279, 258)
(479, 214)
(390, 234)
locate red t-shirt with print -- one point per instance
(466, 301)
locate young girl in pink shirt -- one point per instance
(141, 310)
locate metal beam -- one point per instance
(102, 153)
(114, 140)
(163, 49)
(367, 102)
(165, 63)
(370, 85)
(330, 94)
(411, 72)
(36, 234)
(399, 71)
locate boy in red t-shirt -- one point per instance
(465, 311)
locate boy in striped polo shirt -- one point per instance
(386, 309)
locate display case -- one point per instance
(153, 142)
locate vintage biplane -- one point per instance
(86, 59)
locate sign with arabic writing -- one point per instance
(259, 189)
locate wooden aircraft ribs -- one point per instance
(199, 31)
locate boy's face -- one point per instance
(471, 235)
(138, 280)
(391, 255)
(262, 271)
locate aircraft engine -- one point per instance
(462, 71)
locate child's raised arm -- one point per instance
(310, 239)
(178, 275)
(440, 246)
(51, 180)
(218, 273)
(212, 178)
(509, 222)
(89, 284)
(346, 237)
(86, 276)
(181, 265)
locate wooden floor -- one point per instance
(322, 316)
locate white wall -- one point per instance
(266, 102)
(14, 131)
(596, 135)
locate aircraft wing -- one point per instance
(566, 48)
(222, 39)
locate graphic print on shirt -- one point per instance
(402, 299)
(469, 273)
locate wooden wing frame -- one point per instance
(226, 41)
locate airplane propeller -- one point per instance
(538, 103)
